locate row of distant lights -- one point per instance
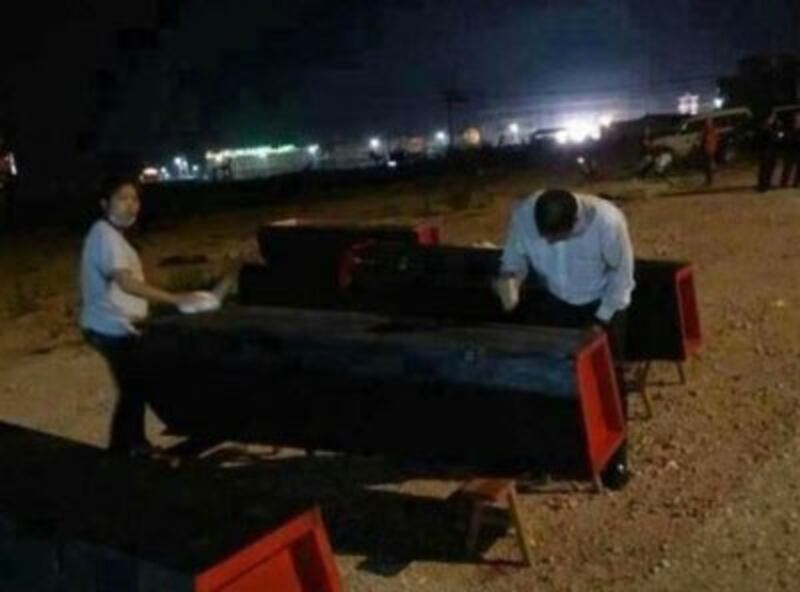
(181, 165)
(689, 104)
(259, 152)
(440, 137)
(574, 132)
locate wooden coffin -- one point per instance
(74, 518)
(306, 258)
(455, 282)
(494, 398)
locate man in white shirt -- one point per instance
(115, 296)
(580, 251)
(578, 247)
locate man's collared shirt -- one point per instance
(595, 263)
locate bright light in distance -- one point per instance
(719, 103)
(562, 137)
(259, 151)
(441, 136)
(580, 131)
(195, 168)
(514, 128)
(313, 150)
(605, 120)
(374, 143)
(392, 164)
(689, 104)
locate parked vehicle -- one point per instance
(731, 124)
(785, 113)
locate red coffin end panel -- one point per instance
(600, 403)
(297, 557)
(687, 308)
(427, 235)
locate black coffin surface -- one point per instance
(281, 244)
(262, 285)
(663, 320)
(306, 258)
(73, 518)
(493, 397)
(443, 281)
(390, 278)
(455, 283)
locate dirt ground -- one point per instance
(715, 502)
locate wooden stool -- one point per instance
(639, 383)
(480, 493)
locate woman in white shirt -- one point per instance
(114, 297)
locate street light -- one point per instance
(441, 137)
(375, 144)
(514, 128)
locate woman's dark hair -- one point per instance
(113, 182)
(556, 212)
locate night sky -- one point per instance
(87, 78)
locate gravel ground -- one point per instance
(714, 503)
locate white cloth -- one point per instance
(200, 302)
(105, 307)
(507, 289)
(594, 263)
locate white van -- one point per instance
(687, 138)
(785, 114)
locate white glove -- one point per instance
(507, 289)
(198, 302)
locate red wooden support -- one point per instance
(296, 557)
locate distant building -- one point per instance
(259, 162)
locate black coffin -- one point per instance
(455, 283)
(447, 282)
(663, 319)
(496, 398)
(281, 243)
(307, 258)
(390, 278)
(74, 518)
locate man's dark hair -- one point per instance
(556, 212)
(113, 182)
